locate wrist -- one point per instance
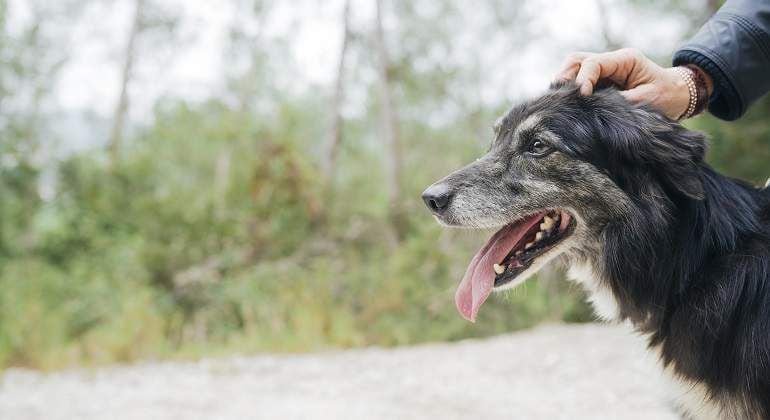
(677, 94)
(702, 89)
(697, 90)
(707, 80)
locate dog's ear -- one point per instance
(641, 137)
(679, 152)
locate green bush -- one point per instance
(212, 234)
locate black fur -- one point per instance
(684, 251)
(691, 266)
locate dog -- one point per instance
(656, 236)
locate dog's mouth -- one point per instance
(541, 237)
(508, 253)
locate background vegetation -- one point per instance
(262, 218)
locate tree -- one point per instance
(147, 17)
(334, 135)
(33, 53)
(249, 72)
(610, 42)
(388, 115)
(121, 109)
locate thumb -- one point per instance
(651, 95)
(640, 95)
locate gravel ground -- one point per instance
(552, 372)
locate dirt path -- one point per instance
(552, 372)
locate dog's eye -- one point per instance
(538, 148)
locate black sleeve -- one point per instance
(733, 47)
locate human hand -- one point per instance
(641, 80)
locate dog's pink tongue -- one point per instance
(479, 278)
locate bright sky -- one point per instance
(513, 67)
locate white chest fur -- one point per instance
(691, 398)
(599, 295)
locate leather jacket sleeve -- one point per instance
(733, 47)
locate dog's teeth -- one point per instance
(539, 236)
(499, 269)
(547, 224)
(528, 245)
(519, 253)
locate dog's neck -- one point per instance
(647, 261)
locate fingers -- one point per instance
(642, 94)
(589, 73)
(614, 65)
(571, 65)
(587, 68)
(659, 98)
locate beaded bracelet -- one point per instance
(696, 88)
(700, 84)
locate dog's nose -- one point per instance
(437, 198)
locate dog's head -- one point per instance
(560, 169)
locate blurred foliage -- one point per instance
(740, 149)
(173, 251)
(213, 234)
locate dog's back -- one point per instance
(716, 342)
